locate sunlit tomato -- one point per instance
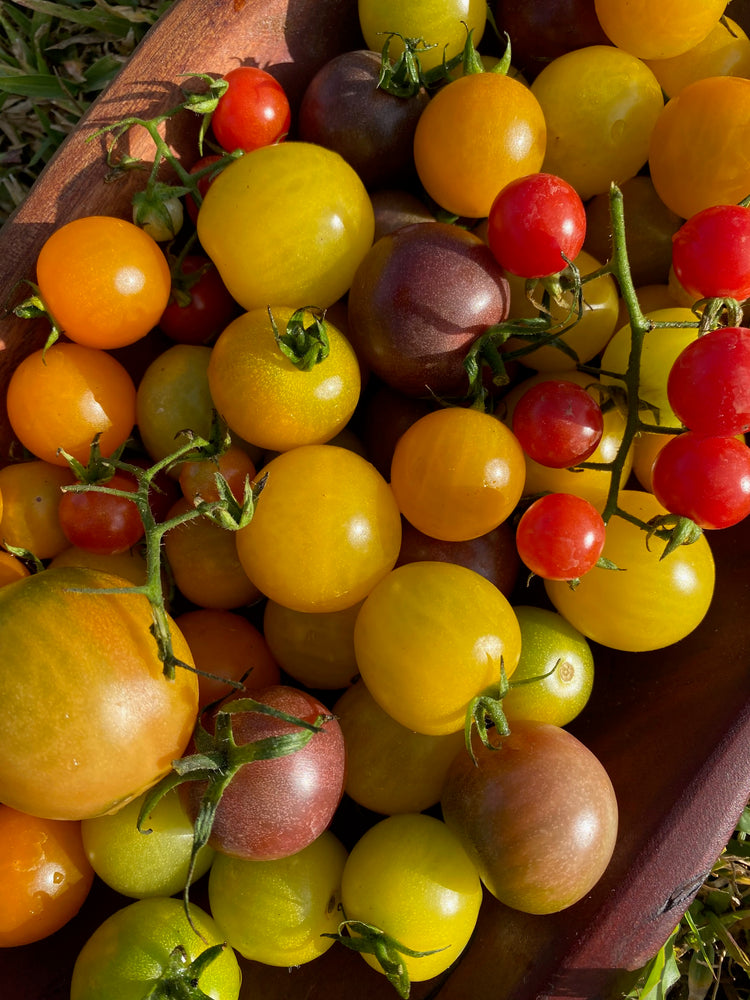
(410, 877)
(275, 806)
(647, 602)
(429, 638)
(586, 336)
(225, 644)
(154, 862)
(30, 518)
(253, 111)
(71, 653)
(658, 32)
(560, 536)
(208, 310)
(287, 223)
(137, 949)
(105, 281)
(64, 396)
(391, 769)
(707, 384)
(267, 398)
(278, 912)
(457, 473)
(462, 173)
(558, 423)
(711, 253)
(441, 24)
(326, 528)
(11, 567)
(600, 104)
(725, 51)
(198, 479)
(537, 814)
(555, 674)
(44, 876)
(699, 152)
(130, 565)
(101, 521)
(316, 648)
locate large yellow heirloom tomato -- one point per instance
(287, 223)
(87, 719)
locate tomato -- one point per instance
(658, 32)
(150, 944)
(442, 25)
(391, 769)
(101, 721)
(534, 223)
(711, 253)
(647, 602)
(429, 638)
(725, 51)
(67, 395)
(457, 473)
(558, 423)
(11, 567)
(698, 154)
(600, 104)
(44, 876)
(208, 310)
(326, 528)
(30, 517)
(537, 814)
(252, 112)
(267, 398)
(299, 213)
(275, 806)
(560, 536)
(541, 30)
(463, 173)
(645, 449)
(410, 877)
(129, 565)
(102, 522)
(278, 912)
(198, 479)
(555, 674)
(150, 863)
(707, 383)
(105, 281)
(224, 644)
(316, 648)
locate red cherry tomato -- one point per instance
(253, 111)
(208, 310)
(708, 385)
(711, 253)
(558, 423)
(102, 522)
(560, 536)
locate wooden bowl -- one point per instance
(671, 727)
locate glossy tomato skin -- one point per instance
(253, 111)
(711, 253)
(707, 385)
(100, 522)
(651, 32)
(131, 951)
(274, 808)
(537, 814)
(30, 517)
(209, 310)
(372, 129)
(418, 300)
(560, 536)
(71, 655)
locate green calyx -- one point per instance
(304, 341)
(180, 979)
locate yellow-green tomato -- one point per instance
(277, 912)
(153, 863)
(389, 768)
(647, 602)
(410, 877)
(316, 648)
(287, 223)
(431, 637)
(268, 399)
(555, 674)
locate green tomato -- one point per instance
(549, 646)
(148, 947)
(144, 864)
(276, 912)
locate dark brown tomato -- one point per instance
(274, 808)
(493, 555)
(537, 814)
(395, 207)
(541, 30)
(344, 110)
(385, 414)
(419, 299)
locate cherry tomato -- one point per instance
(600, 104)
(72, 654)
(198, 479)
(725, 51)
(707, 385)
(541, 30)
(658, 32)
(326, 528)
(410, 877)
(105, 281)
(44, 876)
(316, 648)
(537, 814)
(102, 522)
(464, 175)
(151, 944)
(30, 519)
(300, 213)
(279, 911)
(711, 253)
(252, 112)
(647, 602)
(209, 309)
(558, 423)
(560, 536)
(67, 395)
(429, 638)
(11, 567)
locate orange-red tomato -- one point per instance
(29, 518)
